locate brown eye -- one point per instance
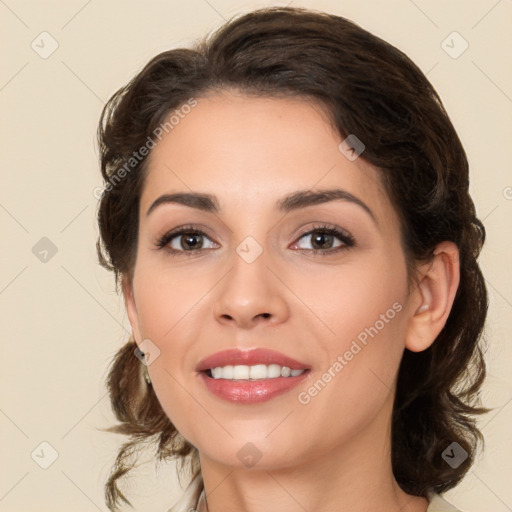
(185, 240)
(325, 239)
(321, 240)
(190, 241)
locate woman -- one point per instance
(286, 209)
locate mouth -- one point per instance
(251, 376)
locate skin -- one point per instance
(333, 453)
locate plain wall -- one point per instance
(62, 320)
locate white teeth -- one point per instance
(217, 372)
(240, 372)
(256, 372)
(273, 371)
(227, 372)
(285, 371)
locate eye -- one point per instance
(323, 240)
(188, 240)
(185, 239)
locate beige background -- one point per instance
(61, 318)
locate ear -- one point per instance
(433, 299)
(131, 307)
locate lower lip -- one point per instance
(251, 391)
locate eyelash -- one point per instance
(343, 236)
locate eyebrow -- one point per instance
(294, 201)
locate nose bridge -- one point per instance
(250, 290)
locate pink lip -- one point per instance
(251, 392)
(250, 358)
(246, 391)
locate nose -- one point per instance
(250, 294)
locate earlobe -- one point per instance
(433, 299)
(131, 307)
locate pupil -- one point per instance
(322, 236)
(192, 239)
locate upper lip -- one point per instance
(249, 358)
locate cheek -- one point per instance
(364, 308)
(363, 360)
(170, 310)
(165, 299)
(358, 298)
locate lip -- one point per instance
(246, 391)
(251, 392)
(250, 358)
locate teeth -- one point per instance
(285, 371)
(256, 372)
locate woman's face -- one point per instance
(266, 275)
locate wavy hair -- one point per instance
(372, 90)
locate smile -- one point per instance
(256, 372)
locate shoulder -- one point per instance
(191, 497)
(438, 504)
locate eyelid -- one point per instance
(163, 240)
(341, 234)
(325, 226)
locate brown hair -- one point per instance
(374, 91)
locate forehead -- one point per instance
(249, 151)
